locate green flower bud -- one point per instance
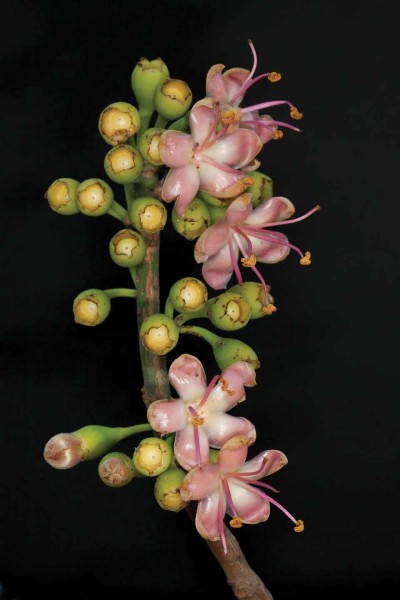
(91, 307)
(149, 146)
(261, 188)
(95, 197)
(167, 489)
(123, 164)
(188, 295)
(66, 450)
(127, 248)
(172, 99)
(159, 334)
(255, 295)
(118, 122)
(213, 201)
(116, 469)
(145, 79)
(229, 311)
(152, 457)
(61, 196)
(228, 351)
(216, 213)
(148, 214)
(193, 221)
(213, 456)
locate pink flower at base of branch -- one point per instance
(209, 159)
(231, 487)
(198, 417)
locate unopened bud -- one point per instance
(116, 469)
(91, 307)
(145, 79)
(159, 334)
(261, 188)
(173, 98)
(149, 146)
(188, 295)
(152, 457)
(229, 311)
(254, 293)
(127, 248)
(118, 122)
(193, 221)
(213, 201)
(167, 490)
(229, 350)
(61, 196)
(95, 197)
(217, 213)
(123, 164)
(148, 214)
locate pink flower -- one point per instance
(243, 230)
(231, 486)
(198, 416)
(229, 89)
(210, 159)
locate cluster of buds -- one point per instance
(202, 161)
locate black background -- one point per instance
(327, 392)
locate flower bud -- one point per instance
(213, 201)
(123, 164)
(193, 221)
(148, 214)
(149, 146)
(217, 213)
(127, 248)
(152, 457)
(228, 351)
(159, 334)
(66, 450)
(255, 295)
(118, 122)
(91, 307)
(61, 196)
(261, 188)
(116, 469)
(188, 295)
(213, 458)
(172, 99)
(229, 311)
(145, 79)
(95, 197)
(167, 490)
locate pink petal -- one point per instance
(217, 270)
(167, 416)
(275, 209)
(239, 210)
(231, 386)
(223, 427)
(233, 453)
(264, 133)
(211, 241)
(275, 461)
(176, 148)
(219, 180)
(181, 183)
(200, 482)
(235, 149)
(188, 377)
(234, 80)
(185, 447)
(250, 507)
(215, 84)
(270, 250)
(207, 517)
(203, 120)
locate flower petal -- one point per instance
(230, 388)
(200, 482)
(181, 183)
(234, 79)
(218, 269)
(277, 208)
(207, 517)
(185, 447)
(250, 507)
(211, 241)
(215, 84)
(176, 148)
(235, 149)
(188, 377)
(203, 120)
(223, 427)
(167, 416)
(233, 453)
(271, 249)
(216, 179)
(275, 461)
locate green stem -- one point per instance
(129, 190)
(198, 314)
(121, 293)
(161, 122)
(145, 116)
(168, 308)
(125, 432)
(118, 212)
(201, 332)
(180, 124)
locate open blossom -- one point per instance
(245, 230)
(230, 87)
(198, 416)
(210, 159)
(232, 486)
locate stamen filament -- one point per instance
(269, 123)
(221, 514)
(229, 498)
(263, 234)
(268, 498)
(266, 105)
(220, 166)
(234, 261)
(290, 221)
(208, 390)
(250, 473)
(239, 232)
(196, 435)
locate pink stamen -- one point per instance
(240, 475)
(266, 497)
(214, 126)
(290, 221)
(221, 514)
(266, 105)
(196, 435)
(210, 140)
(253, 268)
(234, 261)
(262, 234)
(248, 81)
(270, 123)
(229, 498)
(208, 390)
(222, 167)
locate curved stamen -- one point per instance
(210, 140)
(240, 475)
(266, 105)
(263, 234)
(269, 123)
(239, 232)
(234, 261)
(221, 166)
(221, 514)
(229, 498)
(208, 390)
(289, 221)
(212, 129)
(196, 434)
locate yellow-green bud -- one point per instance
(255, 295)
(61, 196)
(167, 490)
(91, 307)
(213, 456)
(123, 164)
(145, 79)
(216, 213)
(228, 351)
(116, 469)
(193, 221)
(229, 311)
(148, 214)
(149, 146)
(173, 98)
(188, 295)
(127, 248)
(261, 188)
(118, 122)
(152, 457)
(213, 201)
(95, 197)
(159, 334)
